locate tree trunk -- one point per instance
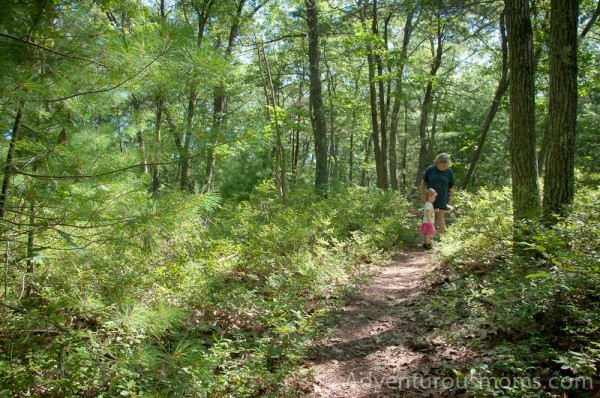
(333, 149)
(351, 154)
(137, 103)
(271, 98)
(427, 104)
(364, 179)
(296, 136)
(408, 28)
(219, 100)
(31, 244)
(8, 169)
(523, 163)
(203, 11)
(379, 165)
(559, 184)
(436, 111)
(543, 152)
(316, 99)
(184, 182)
(502, 86)
(382, 104)
(158, 141)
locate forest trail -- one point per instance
(383, 344)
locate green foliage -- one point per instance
(481, 228)
(534, 309)
(221, 303)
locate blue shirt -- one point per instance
(442, 182)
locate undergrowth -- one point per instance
(210, 304)
(531, 309)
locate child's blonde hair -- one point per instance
(430, 192)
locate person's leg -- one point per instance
(427, 241)
(440, 217)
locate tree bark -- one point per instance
(525, 188)
(559, 184)
(408, 28)
(382, 103)
(8, 169)
(316, 99)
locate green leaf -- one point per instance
(70, 242)
(538, 275)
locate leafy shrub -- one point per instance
(481, 229)
(194, 298)
(536, 309)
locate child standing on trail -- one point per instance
(427, 227)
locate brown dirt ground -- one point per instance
(383, 344)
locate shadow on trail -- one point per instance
(397, 323)
(383, 344)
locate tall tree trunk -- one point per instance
(316, 99)
(559, 184)
(500, 90)
(351, 154)
(203, 11)
(142, 147)
(137, 103)
(184, 182)
(523, 162)
(162, 9)
(543, 152)
(158, 142)
(436, 111)
(408, 28)
(382, 103)
(8, 169)
(31, 244)
(333, 150)
(379, 165)
(219, 99)
(296, 136)
(364, 178)
(217, 123)
(428, 102)
(404, 147)
(271, 98)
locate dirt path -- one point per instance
(383, 344)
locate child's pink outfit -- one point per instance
(427, 228)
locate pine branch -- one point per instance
(104, 90)
(84, 176)
(50, 49)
